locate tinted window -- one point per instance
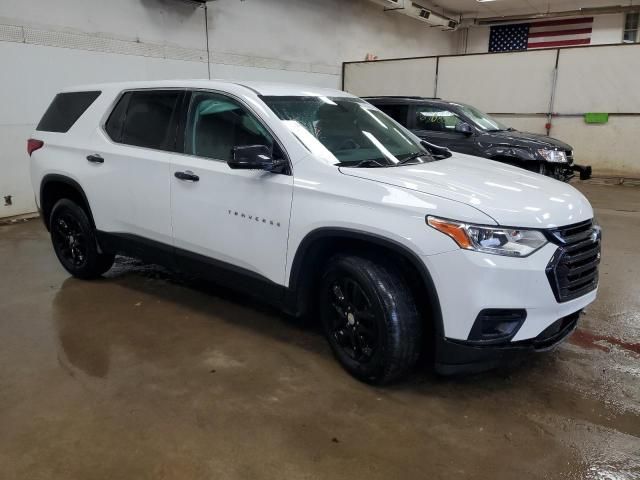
(217, 123)
(145, 119)
(436, 119)
(65, 110)
(398, 112)
(116, 119)
(481, 119)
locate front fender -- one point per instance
(502, 151)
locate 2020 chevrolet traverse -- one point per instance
(319, 203)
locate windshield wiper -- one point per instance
(412, 157)
(363, 163)
(434, 153)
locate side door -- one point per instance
(127, 177)
(438, 125)
(237, 220)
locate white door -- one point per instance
(127, 175)
(237, 217)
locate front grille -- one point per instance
(573, 269)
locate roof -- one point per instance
(260, 88)
(407, 100)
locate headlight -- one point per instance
(553, 156)
(510, 242)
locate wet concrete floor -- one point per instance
(141, 375)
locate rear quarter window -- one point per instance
(65, 110)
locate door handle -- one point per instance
(187, 176)
(95, 158)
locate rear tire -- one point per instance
(370, 318)
(74, 241)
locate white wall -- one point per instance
(380, 78)
(606, 29)
(47, 45)
(477, 40)
(323, 33)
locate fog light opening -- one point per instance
(496, 325)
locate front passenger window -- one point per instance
(217, 123)
(436, 119)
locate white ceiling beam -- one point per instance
(593, 11)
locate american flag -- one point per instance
(544, 34)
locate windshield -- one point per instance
(481, 119)
(356, 133)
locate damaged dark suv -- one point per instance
(465, 129)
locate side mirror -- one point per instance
(252, 157)
(437, 151)
(464, 128)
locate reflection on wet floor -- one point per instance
(147, 374)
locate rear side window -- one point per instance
(398, 112)
(65, 110)
(145, 119)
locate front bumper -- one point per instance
(454, 357)
(566, 171)
(470, 284)
(570, 167)
(583, 170)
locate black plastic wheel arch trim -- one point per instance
(296, 294)
(57, 178)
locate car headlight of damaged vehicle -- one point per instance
(510, 242)
(553, 156)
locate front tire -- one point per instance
(74, 241)
(370, 318)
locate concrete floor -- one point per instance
(142, 375)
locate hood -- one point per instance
(511, 196)
(524, 139)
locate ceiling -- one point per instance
(473, 8)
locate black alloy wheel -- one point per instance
(69, 240)
(354, 325)
(74, 241)
(369, 318)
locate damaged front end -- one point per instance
(566, 170)
(554, 163)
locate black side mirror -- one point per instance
(464, 128)
(254, 157)
(438, 152)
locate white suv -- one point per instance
(317, 202)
